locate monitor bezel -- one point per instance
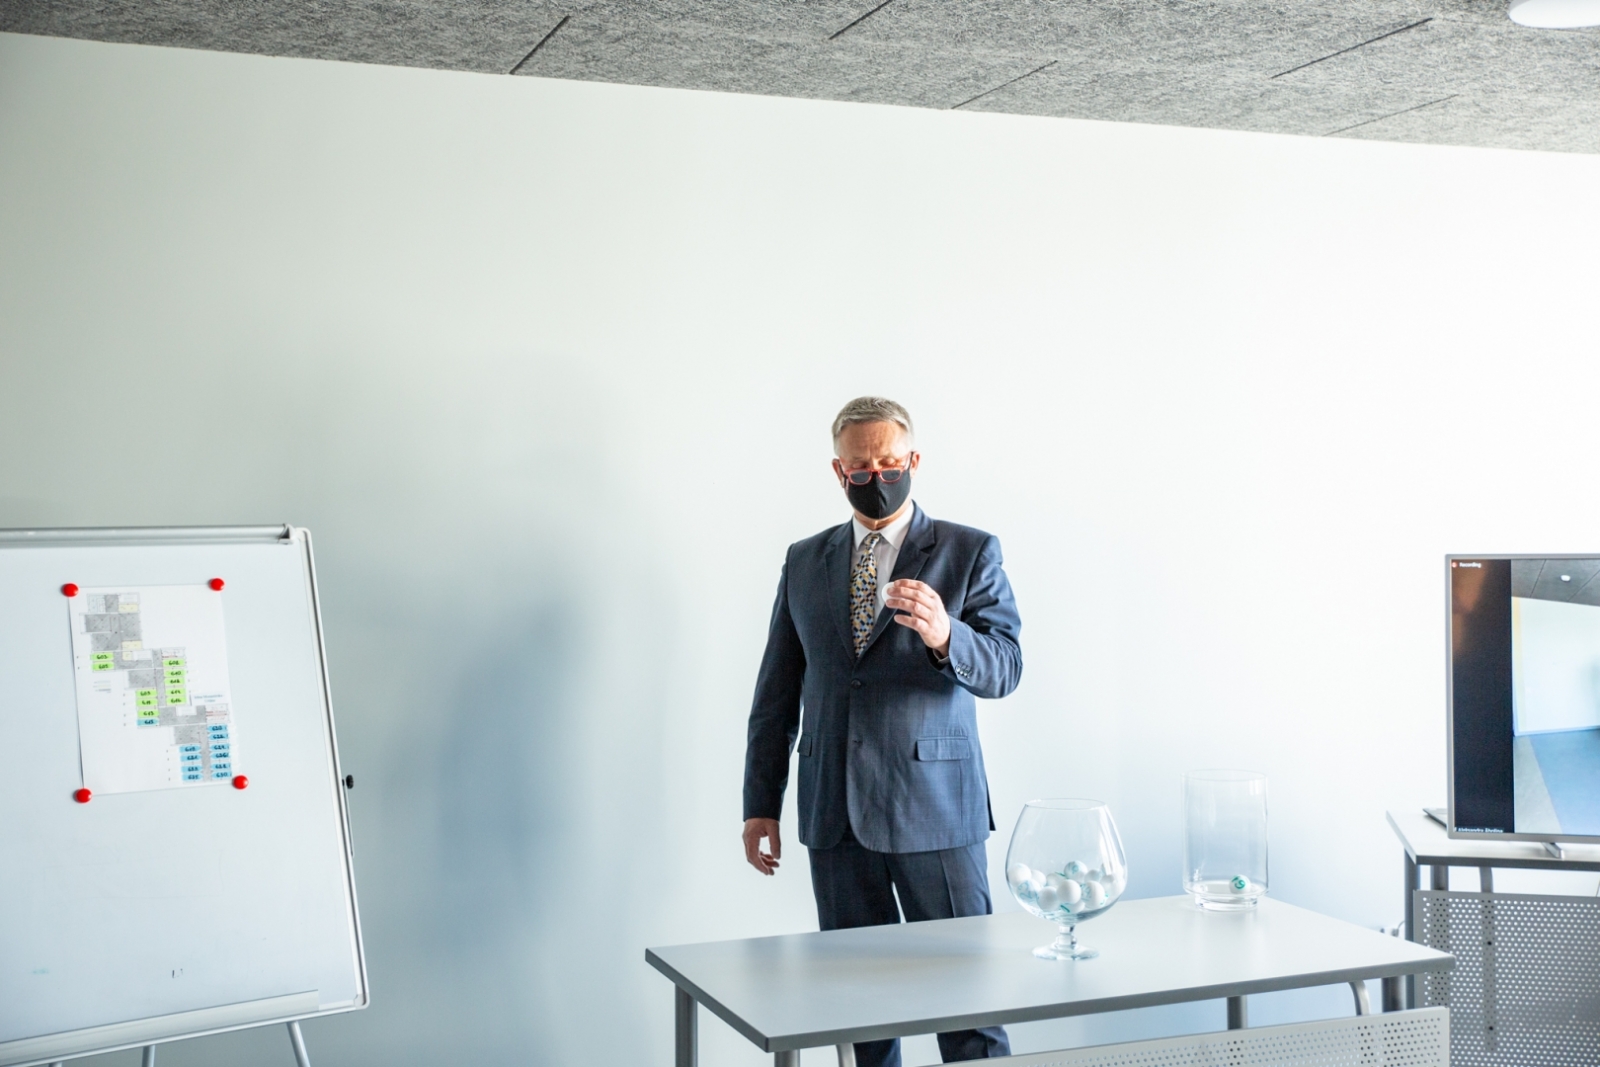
(1450, 701)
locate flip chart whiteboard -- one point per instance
(205, 883)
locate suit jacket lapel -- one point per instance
(908, 564)
(836, 556)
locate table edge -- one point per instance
(1036, 1013)
(1450, 859)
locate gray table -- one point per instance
(1427, 845)
(809, 990)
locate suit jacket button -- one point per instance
(855, 683)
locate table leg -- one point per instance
(1238, 1013)
(1440, 879)
(686, 1028)
(1408, 984)
(847, 1055)
(1407, 911)
(1363, 1005)
(1394, 994)
(786, 1059)
(148, 1058)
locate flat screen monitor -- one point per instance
(1524, 697)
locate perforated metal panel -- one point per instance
(1525, 991)
(1397, 1039)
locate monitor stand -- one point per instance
(1555, 849)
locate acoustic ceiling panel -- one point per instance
(1443, 72)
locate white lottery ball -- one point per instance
(1094, 894)
(1071, 892)
(1239, 883)
(1096, 875)
(1049, 899)
(1075, 871)
(1018, 874)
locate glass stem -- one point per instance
(1066, 938)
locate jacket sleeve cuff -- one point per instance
(960, 665)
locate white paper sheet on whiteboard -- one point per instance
(154, 710)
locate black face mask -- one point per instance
(877, 499)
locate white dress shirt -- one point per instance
(886, 551)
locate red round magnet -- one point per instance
(240, 781)
(216, 583)
(82, 796)
(69, 590)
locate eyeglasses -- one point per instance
(888, 476)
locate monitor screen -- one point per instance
(1524, 696)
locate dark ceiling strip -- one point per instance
(1392, 114)
(1353, 47)
(860, 20)
(542, 42)
(1002, 85)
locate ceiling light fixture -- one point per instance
(1566, 577)
(1555, 14)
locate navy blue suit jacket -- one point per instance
(889, 745)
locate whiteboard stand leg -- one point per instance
(149, 1058)
(299, 1043)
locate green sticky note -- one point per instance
(144, 692)
(102, 657)
(173, 661)
(103, 666)
(147, 702)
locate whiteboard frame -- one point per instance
(136, 1033)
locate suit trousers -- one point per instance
(855, 886)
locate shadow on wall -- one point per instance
(506, 799)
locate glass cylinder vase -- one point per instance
(1225, 838)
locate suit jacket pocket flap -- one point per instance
(937, 748)
(805, 744)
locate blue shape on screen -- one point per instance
(188, 748)
(1569, 761)
(192, 777)
(218, 729)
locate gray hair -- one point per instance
(872, 409)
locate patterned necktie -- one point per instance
(864, 591)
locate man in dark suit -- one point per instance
(884, 630)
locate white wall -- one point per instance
(547, 368)
(1555, 665)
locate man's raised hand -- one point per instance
(916, 605)
(754, 831)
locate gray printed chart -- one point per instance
(152, 679)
